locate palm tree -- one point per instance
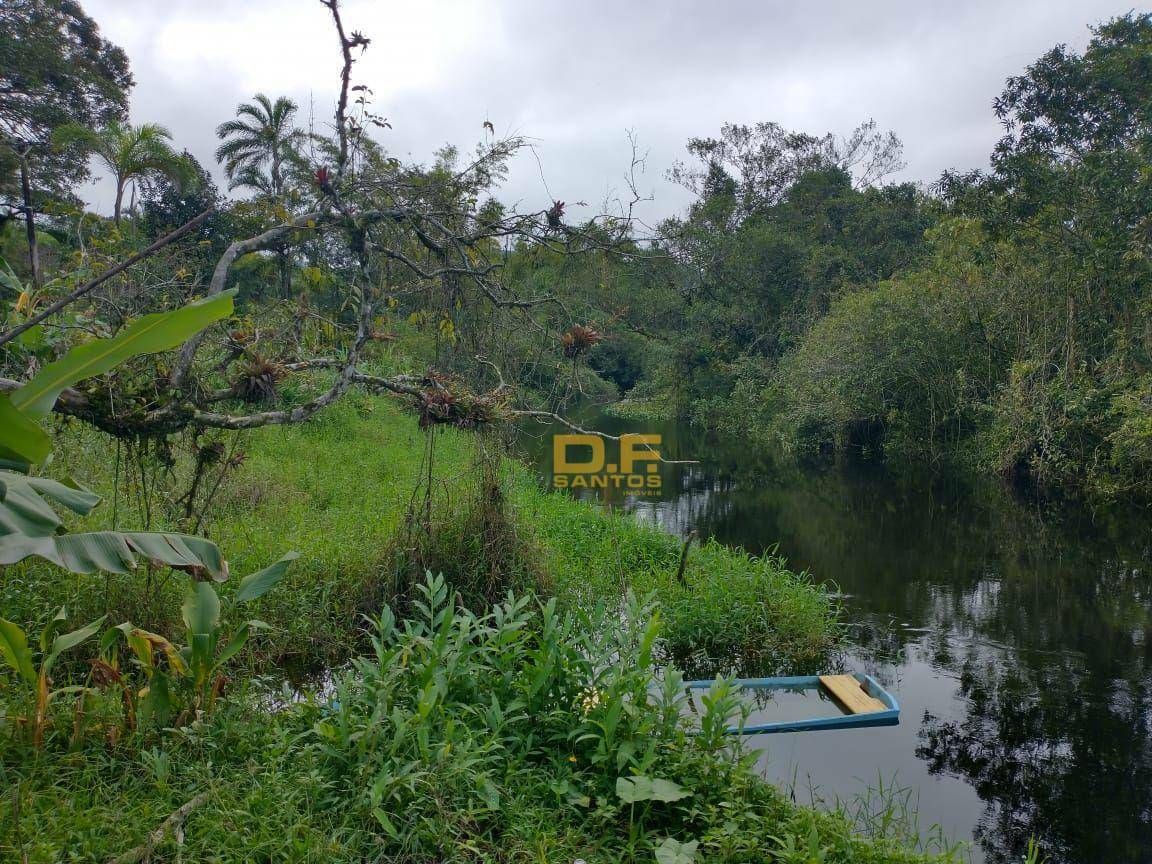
(256, 145)
(130, 153)
(262, 137)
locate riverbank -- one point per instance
(292, 783)
(346, 491)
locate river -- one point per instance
(1013, 632)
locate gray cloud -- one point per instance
(576, 76)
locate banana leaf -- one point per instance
(117, 551)
(21, 439)
(25, 507)
(159, 331)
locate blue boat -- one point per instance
(862, 702)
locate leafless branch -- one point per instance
(552, 417)
(84, 289)
(173, 824)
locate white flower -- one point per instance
(590, 697)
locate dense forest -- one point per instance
(992, 319)
(998, 320)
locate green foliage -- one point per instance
(147, 335)
(473, 537)
(37, 676)
(462, 736)
(541, 725)
(733, 611)
(781, 228)
(339, 490)
(997, 320)
(31, 527)
(130, 153)
(464, 730)
(1020, 345)
(28, 523)
(673, 852)
(168, 204)
(465, 704)
(55, 68)
(641, 788)
(897, 366)
(190, 678)
(621, 360)
(115, 551)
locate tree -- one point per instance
(256, 146)
(757, 165)
(55, 69)
(384, 239)
(135, 154)
(784, 223)
(1072, 169)
(168, 204)
(261, 138)
(1023, 342)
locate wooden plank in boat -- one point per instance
(851, 694)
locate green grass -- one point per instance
(334, 489)
(338, 488)
(96, 803)
(733, 610)
(287, 782)
(460, 738)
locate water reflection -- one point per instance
(1014, 633)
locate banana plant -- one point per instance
(11, 287)
(20, 301)
(31, 526)
(38, 677)
(197, 666)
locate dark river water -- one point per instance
(1014, 633)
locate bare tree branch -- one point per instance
(73, 296)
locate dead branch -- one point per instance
(220, 276)
(72, 297)
(553, 417)
(684, 557)
(173, 824)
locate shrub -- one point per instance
(466, 734)
(469, 721)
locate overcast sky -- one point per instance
(575, 76)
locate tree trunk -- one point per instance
(277, 182)
(1070, 337)
(29, 219)
(282, 262)
(119, 202)
(282, 265)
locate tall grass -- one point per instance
(732, 611)
(347, 491)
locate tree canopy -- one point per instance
(55, 68)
